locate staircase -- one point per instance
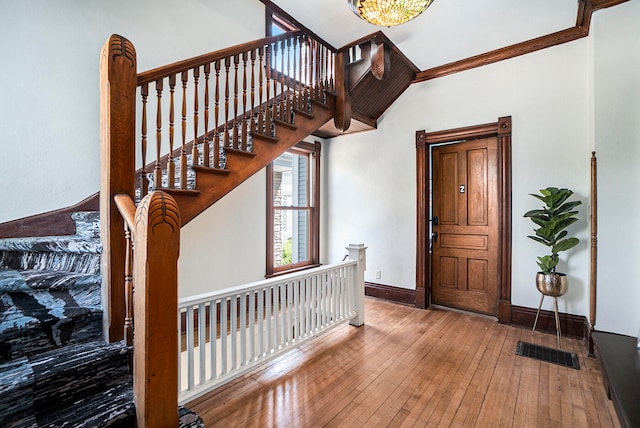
(50, 290)
(55, 368)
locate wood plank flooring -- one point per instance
(409, 367)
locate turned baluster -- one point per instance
(297, 73)
(311, 69)
(314, 72)
(236, 61)
(332, 83)
(289, 76)
(267, 72)
(216, 114)
(260, 124)
(183, 150)
(157, 171)
(282, 75)
(276, 78)
(244, 101)
(252, 126)
(326, 67)
(227, 64)
(171, 168)
(144, 181)
(205, 143)
(128, 287)
(318, 79)
(195, 153)
(308, 87)
(304, 73)
(319, 75)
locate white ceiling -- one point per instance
(449, 30)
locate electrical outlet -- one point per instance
(378, 274)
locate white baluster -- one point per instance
(261, 323)
(268, 304)
(202, 341)
(190, 347)
(223, 337)
(252, 325)
(180, 353)
(243, 329)
(234, 331)
(213, 339)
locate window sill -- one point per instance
(292, 270)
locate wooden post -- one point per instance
(358, 252)
(593, 270)
(155, 341)
(117, 166)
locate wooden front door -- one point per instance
(465, 226)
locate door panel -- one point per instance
(449, 182)
(464, 255)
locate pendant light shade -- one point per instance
(387, 13)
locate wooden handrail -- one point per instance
(197, 61)
(127, 209)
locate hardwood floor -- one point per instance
(413, 367)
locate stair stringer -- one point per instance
(211, 187)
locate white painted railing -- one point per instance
(228, 332)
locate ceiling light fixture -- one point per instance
(387, 13)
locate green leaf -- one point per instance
(547, 264)
(565, 245)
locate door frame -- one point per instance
(424, 140)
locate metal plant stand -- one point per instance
(553, 285)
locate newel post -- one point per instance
(117, 166)
(155, 341)
(358, 252)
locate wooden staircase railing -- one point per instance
(218, 119)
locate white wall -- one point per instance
(372, 176)
(225, 246)
(49, 108)
(617, 145)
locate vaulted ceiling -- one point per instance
(449, 30)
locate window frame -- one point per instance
(312, 150)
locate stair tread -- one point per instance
(77, 244)
(14, 280)
(35, 321)
(52, 379)
(112, 407)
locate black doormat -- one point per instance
(550, 355)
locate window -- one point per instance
(293, 210)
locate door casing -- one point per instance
(424, 140)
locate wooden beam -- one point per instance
(583, 22)
(564, 36)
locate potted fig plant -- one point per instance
(552, 221)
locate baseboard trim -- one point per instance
(575, 326)
(389, 292)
